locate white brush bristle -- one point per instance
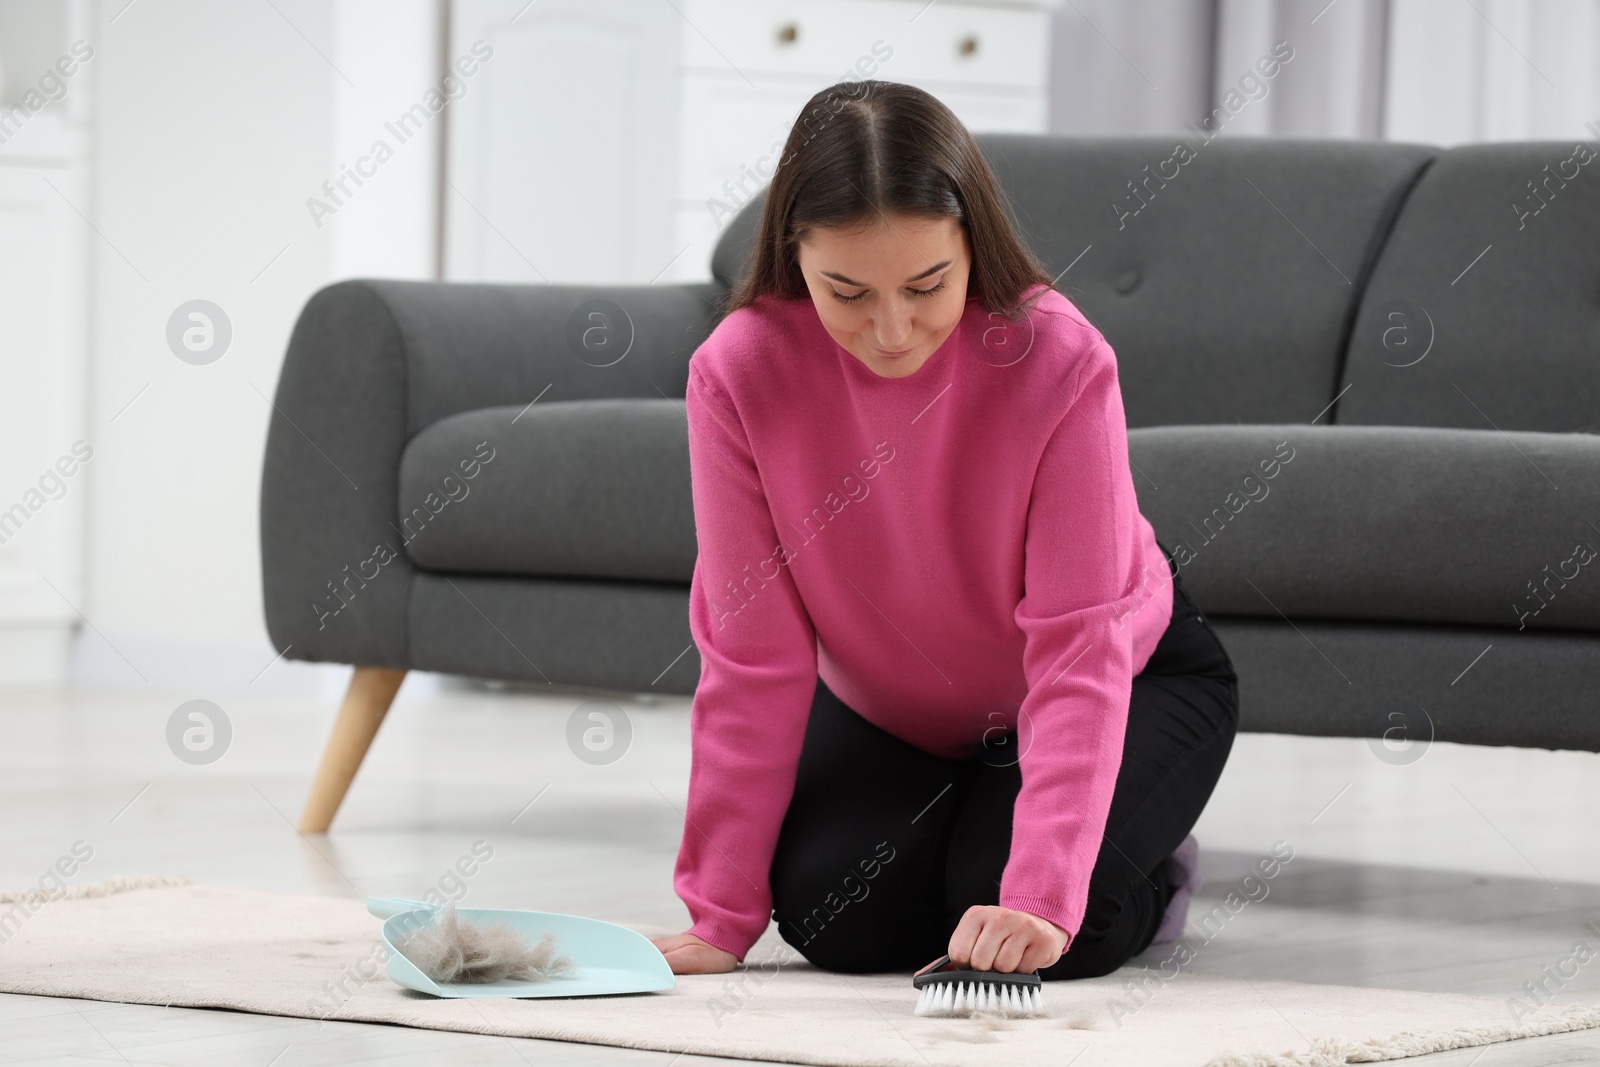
(957, 999)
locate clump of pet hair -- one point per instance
(449, 950)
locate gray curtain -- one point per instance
(1441, 72)
(1151, 66)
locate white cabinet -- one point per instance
(44, 196)
(609, 141)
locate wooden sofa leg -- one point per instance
(366, 702)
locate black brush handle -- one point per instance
(932, 974)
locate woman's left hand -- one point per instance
(688, 954)
(992, 938)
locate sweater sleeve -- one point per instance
(1080, 557)
(758, 673)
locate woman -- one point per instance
(953, 697)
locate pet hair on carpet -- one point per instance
(449, 950)
(42, 893)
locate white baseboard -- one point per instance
(211, 665)
(91, 658)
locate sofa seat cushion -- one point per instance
(578, 488)
(1392, 523)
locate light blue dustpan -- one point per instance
(606, 958)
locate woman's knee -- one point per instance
(1121, 915)
(1094, 954)
(834, 950)
(848, 905)
(840, 933)
(1084, 965)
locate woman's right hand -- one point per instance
(688, 954)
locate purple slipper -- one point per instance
(1182, 871)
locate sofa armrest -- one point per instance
(372, 362)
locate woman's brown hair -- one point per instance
(862, 149)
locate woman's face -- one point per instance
(889, 293)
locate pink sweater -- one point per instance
(953, 551)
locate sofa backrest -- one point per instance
(1226, 275)
(1483, 311)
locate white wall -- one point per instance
(389, 49)
(215, 123)
(45, 446)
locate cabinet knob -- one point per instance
(968, 45)
(788, 33)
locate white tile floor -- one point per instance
(1468, 870)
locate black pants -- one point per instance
(884, 846)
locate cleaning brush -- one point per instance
(958, 992)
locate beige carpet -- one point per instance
(319, 957)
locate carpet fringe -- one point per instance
(106, 888)
(1332, 1052)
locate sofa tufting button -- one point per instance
(1127, 281)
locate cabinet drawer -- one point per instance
(835, 39)
(736, 134)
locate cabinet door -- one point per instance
(561, 154)
(41, 416)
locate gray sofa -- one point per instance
(1362, 385)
